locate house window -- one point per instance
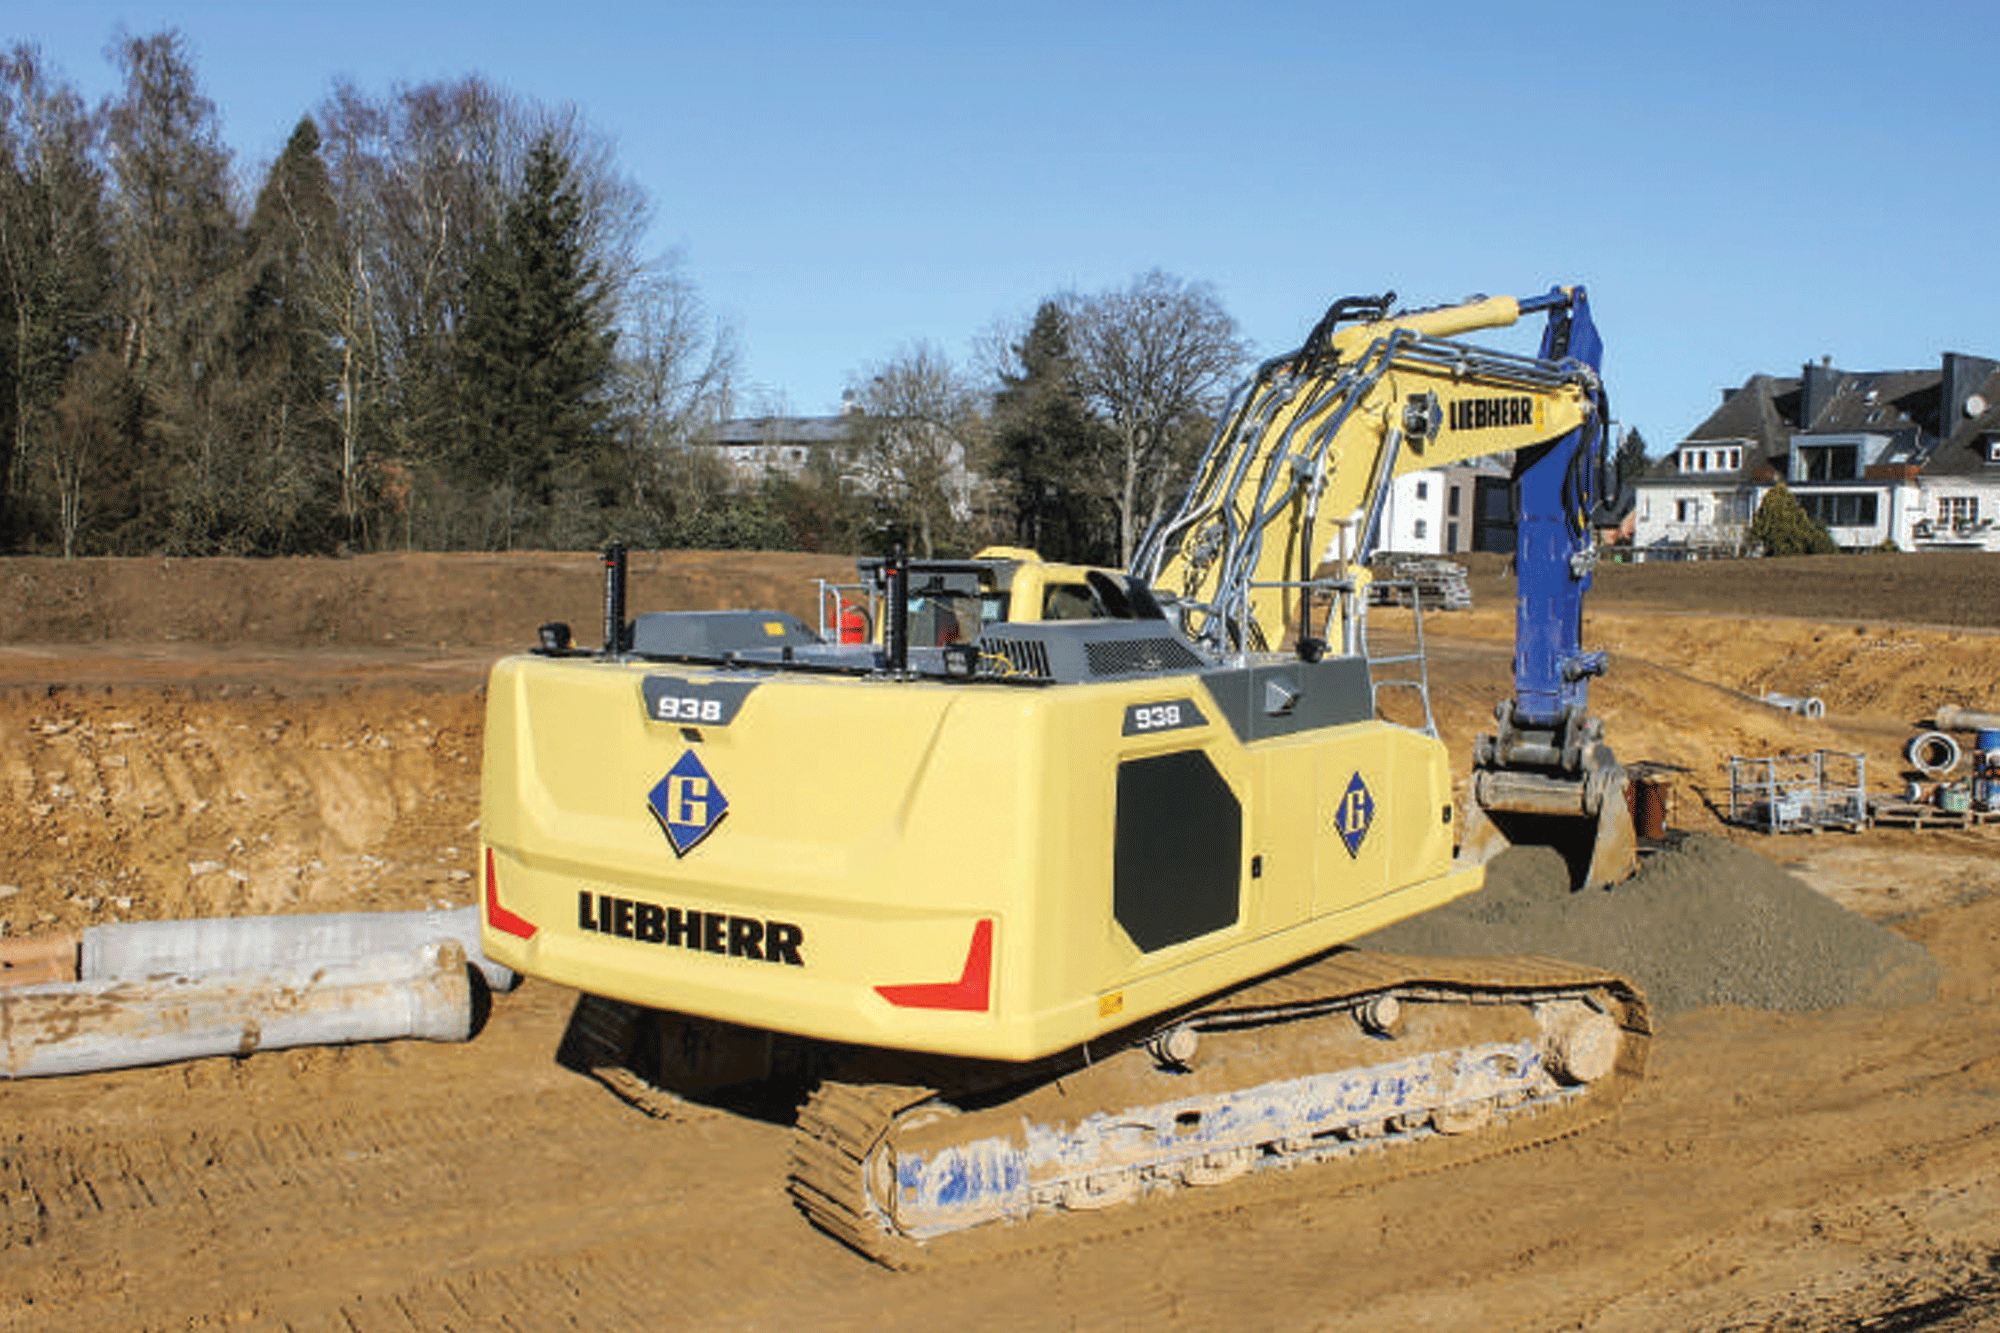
(1841, 509)
(1732, 507)
(1735, 458)
(1423, 491)
(1420, 526)
(1451, 501)
(1958, 511)
(1687, 511)
(1829, 462)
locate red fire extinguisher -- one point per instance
(853, 623)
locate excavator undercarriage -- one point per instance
(1401, 1064)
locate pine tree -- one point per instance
(177, 249)
(1782, 527)
(284, 359)
(1044, 437)
(537, 349)
(1629, 464)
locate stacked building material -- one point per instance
(1439, 584)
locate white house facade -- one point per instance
(1909, 459)
(1449, 510)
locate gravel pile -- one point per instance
(1703, 923)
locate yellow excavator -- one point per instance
(1036, 898)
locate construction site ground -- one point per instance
(206, 738)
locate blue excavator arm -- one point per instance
(1548, 761)
(1559, 487)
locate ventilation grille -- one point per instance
(1138, 657)
(1002, 656)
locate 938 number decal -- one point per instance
(694, 703)
(1168, 715)
(672, 708)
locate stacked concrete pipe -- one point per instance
(156, 992)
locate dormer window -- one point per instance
(1827, 462)
(1711, 460)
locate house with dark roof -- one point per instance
(753, 446)
(1903, 457)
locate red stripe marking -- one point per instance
(499, 917)
(972, 991)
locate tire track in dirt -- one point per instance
(395, 1187)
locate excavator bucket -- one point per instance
(1600, 844)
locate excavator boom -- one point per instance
(1297, 476)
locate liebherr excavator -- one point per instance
(1039, 898)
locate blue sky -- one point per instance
(1742, 187)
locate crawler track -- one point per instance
(1103, 1158)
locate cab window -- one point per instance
(1070, 601)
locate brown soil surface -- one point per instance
(196, 738)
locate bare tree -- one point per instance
(676, 373)
(919, 436)
(418, 176)
(54, 263)
(423, 176)
(1154, 360)
(84, 432)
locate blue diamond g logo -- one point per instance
(687, 803)
(1354, 814)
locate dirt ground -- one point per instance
(206, 738)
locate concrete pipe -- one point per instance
(1950, 717)
(139, 949)
(1809, 707)
(78, 1027)
(1932, 753)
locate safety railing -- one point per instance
(854, 610)
(1344, 628)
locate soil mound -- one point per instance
(1703, 923)
(409, 599)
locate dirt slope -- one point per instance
(191, 738)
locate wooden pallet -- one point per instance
(1912, 815)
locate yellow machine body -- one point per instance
(973, 868)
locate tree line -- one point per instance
(429, 326)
